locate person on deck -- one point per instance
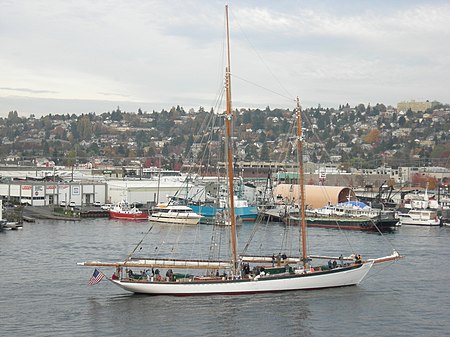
(279, 259)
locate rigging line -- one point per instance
(382, 235)
(209, 124)
(255, 229)
(289, 98)
(163, 240)
(287, 230)
(180, 232)
(204, 126)
(345, 236)
(315, 134)
(134, 250)
(261, 248)
(213, 242)
(196, 241)
(261, 58)
(380, 270)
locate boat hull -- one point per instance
(413, 222)
(127, 216)
(339, 277)
(209, 213)
(190, 220)
(347, 223)
(355, 224)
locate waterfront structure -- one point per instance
(79, 187)
(44, 193)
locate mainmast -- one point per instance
(301, 182)
(229, 147)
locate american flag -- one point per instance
(96, 277)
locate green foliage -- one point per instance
(118, 134)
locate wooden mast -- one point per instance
(229, 147)
(301, 182)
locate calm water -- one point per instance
(44, 293)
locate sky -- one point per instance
(87, 56)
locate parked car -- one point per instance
(63, 204)
(72, 204)
(97, 204)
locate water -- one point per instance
(44, 293)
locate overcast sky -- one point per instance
(92, 56)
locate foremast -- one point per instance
(301, 183)
(228, 144)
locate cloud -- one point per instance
(172, 52)
(27, 90)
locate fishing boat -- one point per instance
(211, 205)
(209, 211)
(177, 214)
(242, 274)
(125, 211)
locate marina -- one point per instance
(50, 293)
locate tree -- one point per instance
(70, 158)
(116, 115)
(251, 152)
(13, 118)
(84, 127)
(360, 108)
(373, 136)
(265, 153)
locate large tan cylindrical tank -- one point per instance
(315, 196)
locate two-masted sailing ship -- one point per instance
(239, 274)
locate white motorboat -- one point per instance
(176, 214)
(420, 217)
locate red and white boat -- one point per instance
(125, 211)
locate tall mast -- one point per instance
(229, 146)
(301, 182)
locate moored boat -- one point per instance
(125, 211)
(354, 215)
(420, 217)
(209, 211)
(176, 214)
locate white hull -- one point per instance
(413, 222)
(314, 280)
(174, 219)
(420, 218)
